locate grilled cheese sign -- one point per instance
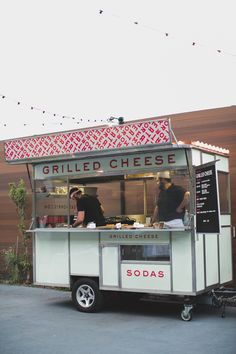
(132, 162)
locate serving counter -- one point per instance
(134, 260)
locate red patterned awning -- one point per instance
(86, 140)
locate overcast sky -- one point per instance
(64, 57)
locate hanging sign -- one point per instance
(207, 200)
(156, 131)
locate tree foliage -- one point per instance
(18, 264)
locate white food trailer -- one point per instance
(119, 164)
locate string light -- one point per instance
(119, 119)
(101, 12)
(45, 112)
(220, 51)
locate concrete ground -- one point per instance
(42, 321)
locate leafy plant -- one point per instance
(11, 260)
(18, 264)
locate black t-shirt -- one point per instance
(168, 201)
(92, 210)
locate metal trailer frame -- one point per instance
(83, 259)
(223, 297)
(196, 256)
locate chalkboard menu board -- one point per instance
(207, 206)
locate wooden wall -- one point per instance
(8, 215)
(214, 126)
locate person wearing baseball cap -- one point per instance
(171, 202)
(89, 209)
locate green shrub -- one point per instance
(18, 263)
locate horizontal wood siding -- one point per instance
(8, 216)
(214, 126)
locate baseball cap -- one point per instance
(74, 191)
(163, 174)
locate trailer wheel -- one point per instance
(186, 316)
(86, 295)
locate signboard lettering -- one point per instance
(145, 273)
(145, 276)
(207, 205)
(110, 164)
(54, 206)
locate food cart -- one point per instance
(119, 165)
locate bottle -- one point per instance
(186, 218)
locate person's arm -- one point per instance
(155, 215)
(80, 219)
(184, 202)
(102, 209)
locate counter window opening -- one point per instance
(125, 198)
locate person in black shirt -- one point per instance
(89, 209)
(171, 202)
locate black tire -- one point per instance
(86, 295)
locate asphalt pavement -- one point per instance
(42, 321)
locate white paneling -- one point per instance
(145, 276)
(211, 249)
(200, 281)
(84, 253)
(207, 157)
(225, 255)
(223, 164)
(225, 220)
(110, 266)
(196, 157)
(181, 262)
(51, 258)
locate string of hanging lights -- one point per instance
(165, 34)
(58, 116)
